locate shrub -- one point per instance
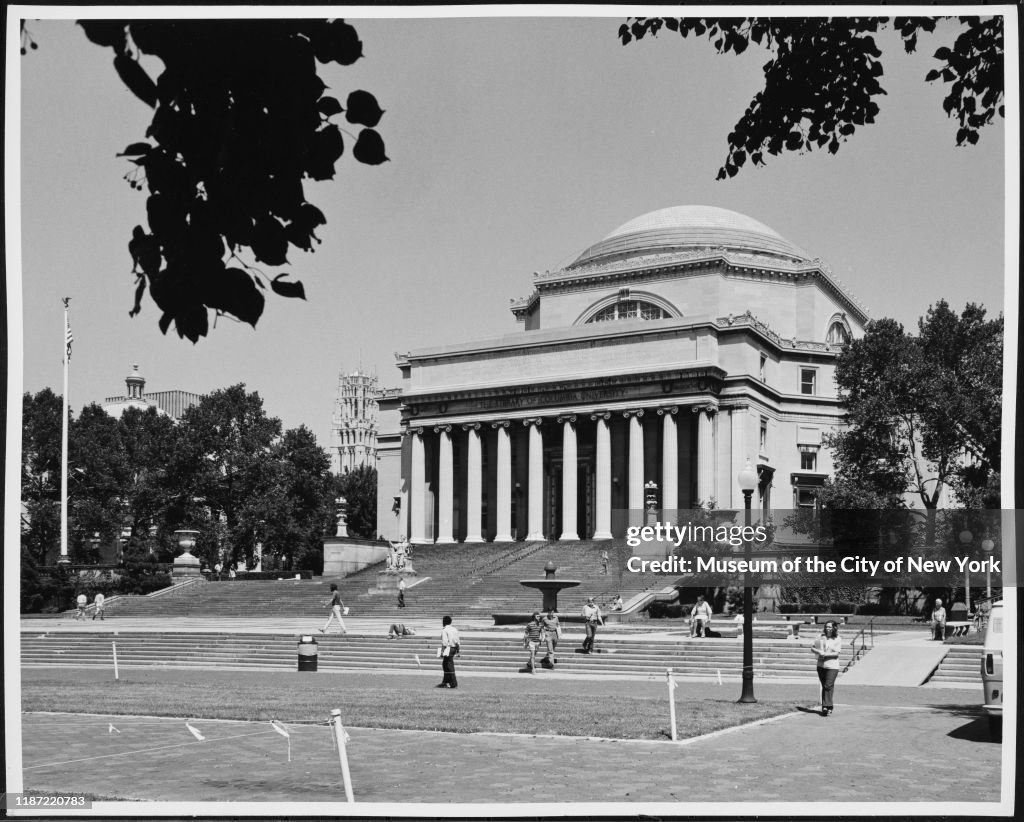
(841, 608)
(787, 608)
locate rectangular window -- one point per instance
(761, 369)
(808, 381)
(808, 461)
(805, 497)
(763, 439)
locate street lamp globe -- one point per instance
(966, 537)
(748, 478)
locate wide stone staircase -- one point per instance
(466, 581)
(962, 664)
(489, 651)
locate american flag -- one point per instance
(69, 339)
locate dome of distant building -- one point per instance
(690, 227)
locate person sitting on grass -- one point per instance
(531, 639)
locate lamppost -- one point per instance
(748, 482)
(988, 546)
(966, 538)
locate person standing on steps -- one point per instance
(98, 601)
(827, 648)
(531, 640)
(448, 651)
(336, 606)
(592, 618)
(700, 617)
(551, 633)
(604, 562)
(401, 593)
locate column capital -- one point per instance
(601, 415)
(413, 431)
(470, 426)
(674, 409)
(500, 424)
(567, 418)
(533, 421)
(638, 413)
(710, 410)
(447, 429)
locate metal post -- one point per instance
(114, 646)
(339, 734)
(747, 694)
(671, 702)
(64, 448)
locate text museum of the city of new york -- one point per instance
(648, 371)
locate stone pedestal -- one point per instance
(346, 555)
(186, 566)
(387, 581)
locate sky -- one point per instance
(514, 143)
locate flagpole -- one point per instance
(64, 446)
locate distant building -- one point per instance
(354, 423)
(170, 403)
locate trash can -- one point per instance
(307, 653)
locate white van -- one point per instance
(992, 671)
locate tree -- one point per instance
(225, 447)
(155, 491)
(359, 488)
(916, 405)
(40, 474)
(823, 79)
(240, 120)
(97, 464)
(299, 495)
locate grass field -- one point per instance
(491, 705)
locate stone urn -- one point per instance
(186, 565)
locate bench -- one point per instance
(817, 619)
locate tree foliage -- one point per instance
(917, 404)
(824, 77)
(241, 119)
(359, 488)
(225, 470)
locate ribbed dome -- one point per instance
(690, 226)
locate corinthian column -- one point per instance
(569, 469)
(669, 462)
(603, 478)
(417, 489)
(535, 505)
(504, 469)
(474, 484)
(445, 485)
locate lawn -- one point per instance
(557, 707)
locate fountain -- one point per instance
(549, 586)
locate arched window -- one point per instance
(629, 310)
(838, 334)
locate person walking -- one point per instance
(700, 617)
(604, 562)
(826, 648)
(531, 640)
(550, 634)
(82, 603)
(401, 593)
(98, 612)
(448, 651)
(939, 621)
(336, 606)
(592, 618)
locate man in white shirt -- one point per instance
(592, 618)
(449, 648)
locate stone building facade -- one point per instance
(660, 360)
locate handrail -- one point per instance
(866, 635)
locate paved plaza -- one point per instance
(882, 745)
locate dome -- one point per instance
(691, 227)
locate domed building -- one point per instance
(648, 371)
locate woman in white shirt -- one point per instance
(827, 648)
